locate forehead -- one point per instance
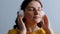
(34, 4)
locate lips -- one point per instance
(36, 17)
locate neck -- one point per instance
(31, 26)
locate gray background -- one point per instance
(9, 8)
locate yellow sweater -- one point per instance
(16, 31)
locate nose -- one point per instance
(35, 12)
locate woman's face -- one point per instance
(32, 12)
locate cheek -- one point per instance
(28, 15)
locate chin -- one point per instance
(37, 20)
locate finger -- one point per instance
(46, 20)
(20, 21)
(42, 24)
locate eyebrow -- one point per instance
(33, 7)
(30, 7)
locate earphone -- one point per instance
(42, 13)
(20, 12)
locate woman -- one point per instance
(32, 22)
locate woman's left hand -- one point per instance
(46, 25)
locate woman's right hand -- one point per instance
(21, 24)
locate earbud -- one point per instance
(20, 12)
(42, 13)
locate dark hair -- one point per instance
(23, 6)
(26, 2)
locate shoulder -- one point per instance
(42, 31)
(13, 31)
